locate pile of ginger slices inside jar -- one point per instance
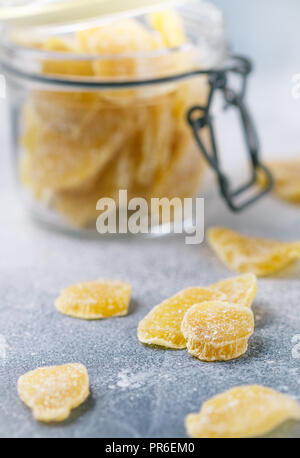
(79, 146)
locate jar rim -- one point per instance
(16, 56)
(30, 51)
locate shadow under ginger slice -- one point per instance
(94, 300)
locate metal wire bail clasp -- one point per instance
(199, 117)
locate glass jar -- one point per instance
(99, 108)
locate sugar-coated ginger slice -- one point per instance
(245, 411)
(162, 326)
(64, 67)
(169, 24)
(217, 330)
(61, 162)
(239, 290)
(182, 176)
(248, 254)
(287, 179)
(95, 299)
(118, 38)
(79, 206)
(52, 392)
(170, 29)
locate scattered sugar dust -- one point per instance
(3, 347)
(129, 380)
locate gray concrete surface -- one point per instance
(139, 391)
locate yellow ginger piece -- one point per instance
(57, 44)
(117, 39)
(287, 179)
(79, 206)
(95, 299)
(67, 112)
(156, 136)
(170, 27)
(169, 24)
(247, 254)
(52, 392)
(241, 412)
(217, 330)
(124, 47)
(186, 94)
(181, 178)
(60, 161)
(162, 326)
(62, 66)
(238, 290)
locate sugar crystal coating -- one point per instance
(162, 326)
(217, 331)
(95, 299)
(170, 26)
(52, 392)
(239, 290)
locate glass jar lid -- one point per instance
(24, 51)
(53, 12)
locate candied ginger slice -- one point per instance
(182, 177)
(217, 330)
(245, 411)
(118, 38)
(64, 67)
(162, 326)
(287, 179)
(79, 206)
(61, 162)
(95, 299)
(169, 24)
(239, 290)
(247, 254)
(52, 392)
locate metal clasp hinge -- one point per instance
(199, 118)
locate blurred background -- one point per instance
(268, 32)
